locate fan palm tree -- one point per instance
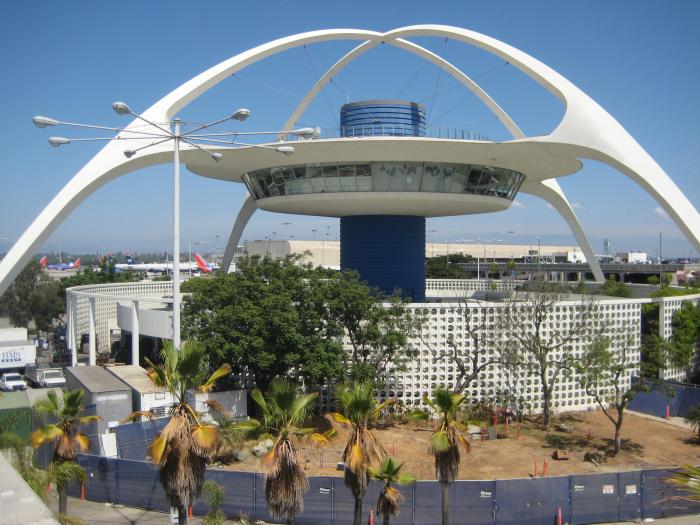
(68, 414)
(284, 411)
(389, 497)
(444, 442)
(181, 450)
(359, 407)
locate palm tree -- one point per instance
(359, 407)
(181, 450)
(389, 497)
(284, 410)
(444, 442)
(67, 412)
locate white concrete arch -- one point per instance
(586, 130)
(244, 215)
(491, 104)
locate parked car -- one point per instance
(12, 381)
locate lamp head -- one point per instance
(129, 153)
(286, 150)
(42, 122)
(121, 108)
(217, 156)
(305, 133)
(58, 141)
(241, 114)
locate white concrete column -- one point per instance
(135, 331)
(70, 329)
(92, 357)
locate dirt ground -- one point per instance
(646, 444)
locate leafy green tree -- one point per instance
(181, 450)
(445, 441)
(378, 328)
(358, 407)
(268, 319)
(284, 412)
(25, 301)
(615, 289)
(603, 373)
(685, 340)
(445, 267)
(68, 414)
(389, 497)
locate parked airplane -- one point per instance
(60, 266)
(200, 265)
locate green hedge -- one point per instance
(16, 420)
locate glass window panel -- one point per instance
(397, 177)
(380, 176)
(459, 178)
(313, 171)
(414, 172)
(330, 174)
(431, 176)
(473, 179)
(364, 177)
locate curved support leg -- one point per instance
(550, 191)
(107, 165)
(242, 219)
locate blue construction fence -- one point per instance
(582, 499)
(680, 398)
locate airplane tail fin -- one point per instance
(129, 259)
(76, 264)
(201, 263)
(43, 261)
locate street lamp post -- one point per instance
(158, 134)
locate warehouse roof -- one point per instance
(14, 400)
(136, 377)
(96, 379)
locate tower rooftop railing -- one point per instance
(399, 130)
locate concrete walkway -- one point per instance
(673, 421)
(101, 514)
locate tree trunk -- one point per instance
(62, 500)
(291, 521)
(386, 519)
(445, 507)
(545, 412)
(182, 515)
(358, 511)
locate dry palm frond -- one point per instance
(137, 415)
(285, 482)
(389, 501)
(65, 448)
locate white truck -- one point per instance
(11, 382)
(16, 351)
(45, 377)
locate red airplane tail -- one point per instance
(43, 261)
(201, 263)
(76, 264)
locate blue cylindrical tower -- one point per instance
(388, 251)
(382, 117)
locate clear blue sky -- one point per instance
(639, 59)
